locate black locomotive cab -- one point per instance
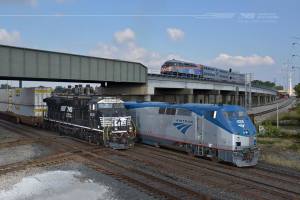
(110, 116)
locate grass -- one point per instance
(294, 147)
(280, 161)
(266, 142)
(281, 146)
(280, 151)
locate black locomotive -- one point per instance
(100, 120)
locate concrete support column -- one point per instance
(258, 100)
(199, 98)
(227, 99)
(236, 97)
(190, 98)
(254, 100)
(147, 98)
(211, 98)
(264, 99)
(219, 98)
(241, 100)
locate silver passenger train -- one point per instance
(186, 69)
(224, 132)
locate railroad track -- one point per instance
(148, 182)
(18, 142)
(148, 169)
(261, 182)
(40, 162)
(273, 109)
(79, 150)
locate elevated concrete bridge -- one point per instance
(179, 90)
(127, 79)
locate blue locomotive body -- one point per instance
(224, 132)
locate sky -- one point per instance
(248, 36)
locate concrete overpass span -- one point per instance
(179, 90)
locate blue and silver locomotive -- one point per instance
(224, 132)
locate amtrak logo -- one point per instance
(182, 127)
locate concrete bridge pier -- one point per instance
(173, 95)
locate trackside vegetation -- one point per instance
(281, 146)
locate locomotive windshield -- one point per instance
(234, 114)
(112, 109)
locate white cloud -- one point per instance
(7, 37)
(224, 59)
(175, 34)
(125, 35)
(131, 51)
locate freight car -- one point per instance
(98, 120)
(186, 69)
(24, 105)
(224, 132)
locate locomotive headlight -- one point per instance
(130, 129)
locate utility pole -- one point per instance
(277, 115)
(290, 89)
(248, 91)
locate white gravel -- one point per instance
(57, 185)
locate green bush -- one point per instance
(270, 130)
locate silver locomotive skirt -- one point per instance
(244, 157)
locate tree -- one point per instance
(279, 87)
(297, 89)
(267, 84)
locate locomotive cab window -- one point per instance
(170, 111)
(161, 111)
(183, 112)
(234, 114)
